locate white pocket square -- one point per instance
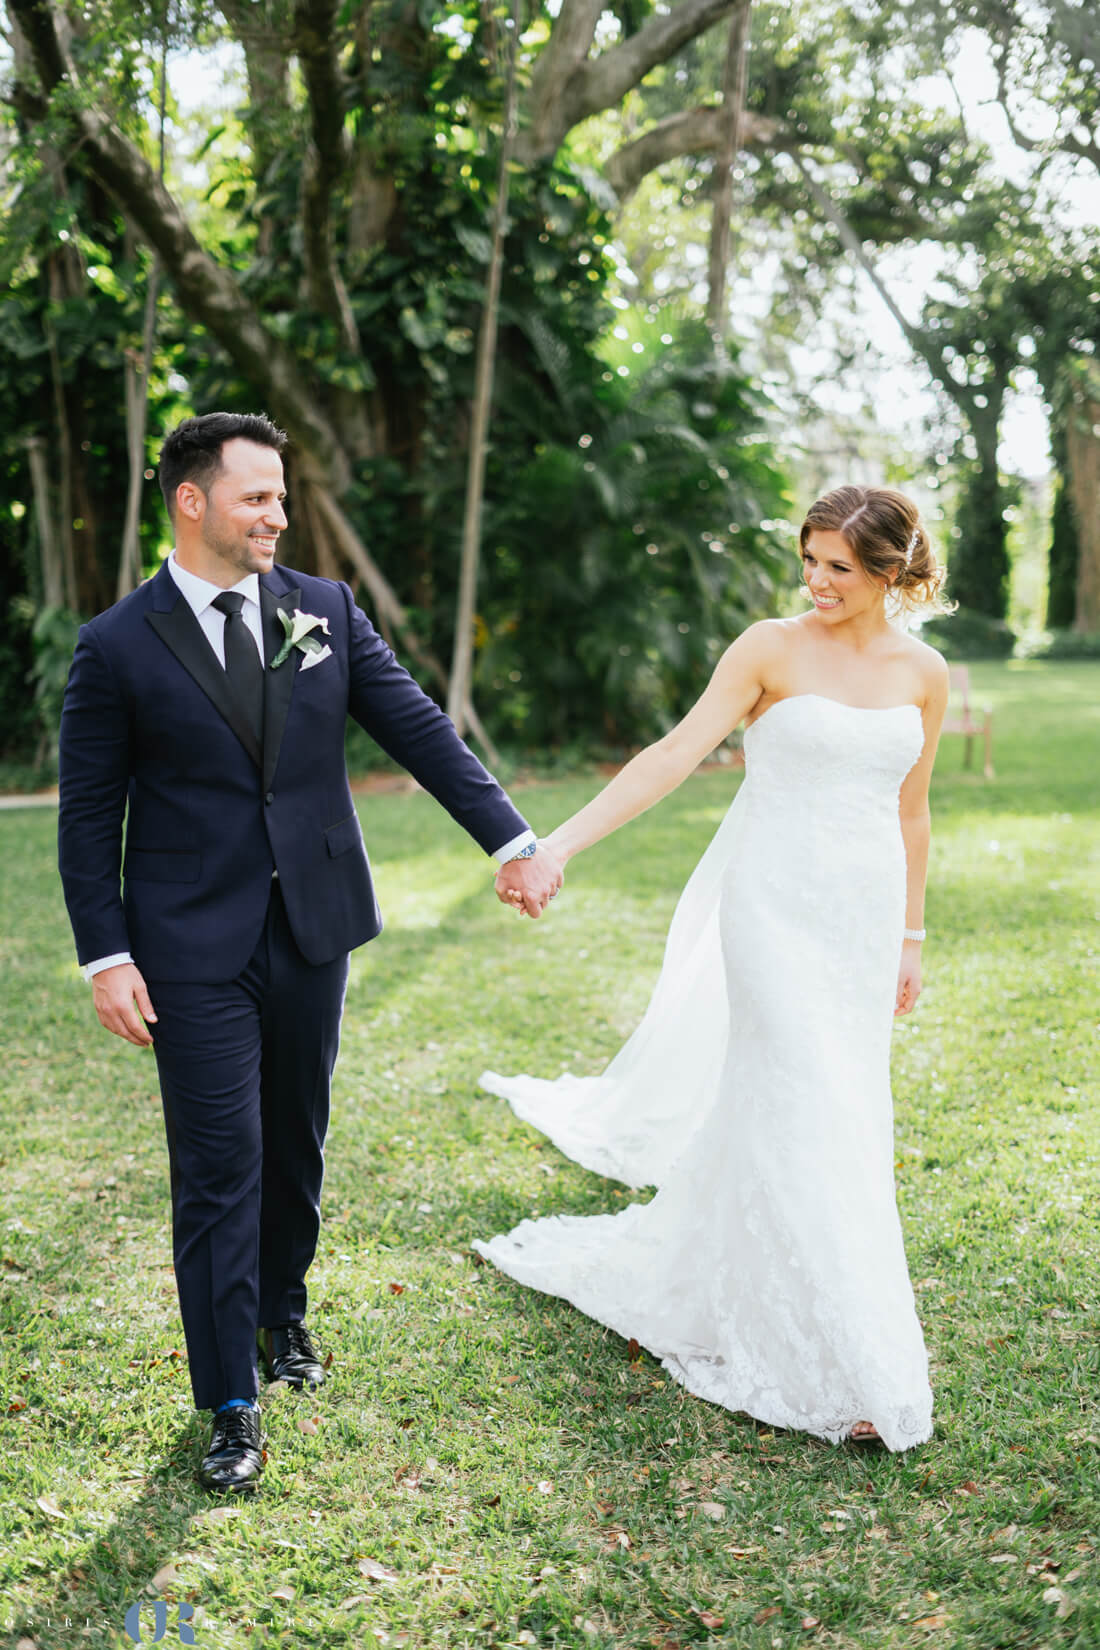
(311, 659)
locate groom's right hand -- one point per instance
(122, 1003)
(528, 885)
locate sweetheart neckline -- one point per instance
(825, 698)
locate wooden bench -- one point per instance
(961, 718)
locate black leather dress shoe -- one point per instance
(291, 1356)
(235, 1458)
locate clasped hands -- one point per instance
(528, 885)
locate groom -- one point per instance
(209, 709)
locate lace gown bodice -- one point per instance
(768, 1272)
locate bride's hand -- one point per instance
(908, 979)
(528, 885)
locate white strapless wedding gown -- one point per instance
(768, 1272)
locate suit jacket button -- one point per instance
(270, 797)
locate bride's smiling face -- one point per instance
(838, 586)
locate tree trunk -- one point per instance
(734, 86)
(137, 405)
(49, 546)
(978, 566)
(1083, 466)
(458, 696)
(65, 477)
(1063, 559)
(137, 384)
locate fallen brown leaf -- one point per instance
(50, 1507)
(285, 1593)
(397, 1288)
(931, 1621)
(766, 1614)
(1063, 1604)
(808, 1623)
(216, 1515)
(308, 1424)
(713, 1509)
(374, 1570)
(969, 1488)
(708, 1618)
(16, 1405)
(633, 1350)
(166, 1575)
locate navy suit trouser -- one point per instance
(244, 1070)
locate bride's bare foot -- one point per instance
(864, 1432)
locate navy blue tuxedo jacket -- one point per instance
(150, 730)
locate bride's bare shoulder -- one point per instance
(772, 637)
(759, 650)
(930, 666)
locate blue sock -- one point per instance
(234, 1403)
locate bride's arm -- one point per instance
(736, 685)
(916, 830)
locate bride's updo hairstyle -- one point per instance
(884, 531)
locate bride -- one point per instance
(768, 1272)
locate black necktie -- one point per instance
(242, 660)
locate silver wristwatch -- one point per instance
(529, 852)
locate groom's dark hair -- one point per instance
(193, 451)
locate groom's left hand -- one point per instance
(529, 884)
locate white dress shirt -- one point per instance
(200, 595)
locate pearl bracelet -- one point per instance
(915, 934)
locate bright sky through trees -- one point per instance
(902, 398)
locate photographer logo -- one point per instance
(185, 1633)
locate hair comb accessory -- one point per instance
(912, 545)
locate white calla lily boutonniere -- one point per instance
(300, 631)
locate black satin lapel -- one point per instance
(180, 630)
(279, 685)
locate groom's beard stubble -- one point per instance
(239, 551)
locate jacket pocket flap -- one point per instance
(161, 865)
(343, 836)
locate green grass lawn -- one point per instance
(488, 1468)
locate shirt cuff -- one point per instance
(90, 970)
(516, 846)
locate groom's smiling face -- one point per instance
(242, 515)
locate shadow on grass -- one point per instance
(95, 1589)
